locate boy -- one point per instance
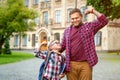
(53, 68)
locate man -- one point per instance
(78, 41)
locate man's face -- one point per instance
(76, 19)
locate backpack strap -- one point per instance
(63, 65)
(46, 61)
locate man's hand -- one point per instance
(89, 10)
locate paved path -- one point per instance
(28, 70)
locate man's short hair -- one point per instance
(75, 10)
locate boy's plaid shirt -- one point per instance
(54, 64)
(87, 32)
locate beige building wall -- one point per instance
(114, 38)
(104, 40)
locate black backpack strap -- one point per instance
(47, 59)
(63, 65)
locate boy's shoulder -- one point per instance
(62, 55)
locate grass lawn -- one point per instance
(112, 57)
(14, 57)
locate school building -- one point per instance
(54, 18)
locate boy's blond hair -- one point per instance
(50, 44)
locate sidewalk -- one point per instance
(108, 68)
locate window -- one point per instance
(98, 38)
(45, 17)
(57, 0)
(82, 9)
(26, 2)
(58, 16)
(68, 12)
(24, 40)
(44, 0)
(16, 38)
(57, 36)
(36, 20)
(35, 2)
(29, 37)
(33, 40)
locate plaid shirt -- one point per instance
(88, 30)
(54, 64)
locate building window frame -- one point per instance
(98, 38)
(26, 3)
(45, 17)
(37, 21)
(16, 40)
(57, 36)
(33, 40)
(36, 2)
(24, 40)
(45, 0)
(68, 12)
(82, 9)
(58, 16)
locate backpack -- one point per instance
(43, 66)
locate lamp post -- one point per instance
(75, 3)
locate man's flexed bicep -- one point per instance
(99, 23)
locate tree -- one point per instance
(14, 18)
(6, 49)
(110, 8)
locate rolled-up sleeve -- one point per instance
(99, 23)
(40, 54)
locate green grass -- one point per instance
(112, 57)
(14, 57)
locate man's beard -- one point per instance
(78, 25)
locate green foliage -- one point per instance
(14, 57)
(110, 8)
(15, 17)
(6, 49)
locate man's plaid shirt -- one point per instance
(88, 30)
(54, 64)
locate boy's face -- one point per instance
(55, 45)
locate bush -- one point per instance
(6, 49)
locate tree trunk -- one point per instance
(1, 43)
